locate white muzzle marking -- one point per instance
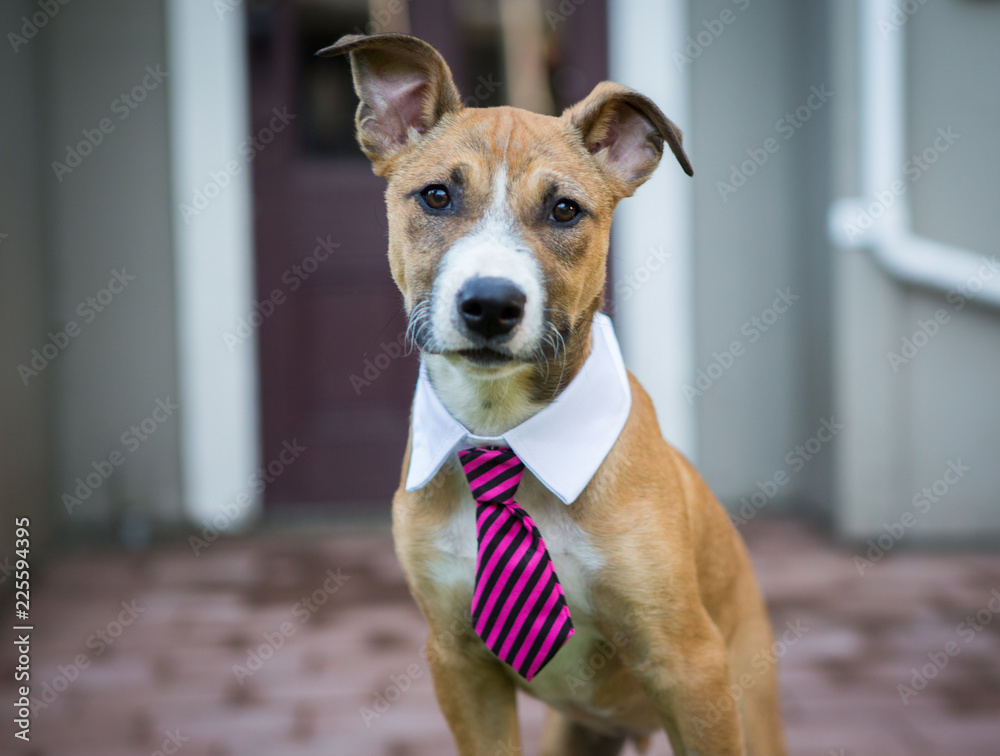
(493, 249)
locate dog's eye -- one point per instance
(565, 210)
(436, 197)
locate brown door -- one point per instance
(335, 376)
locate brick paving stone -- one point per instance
(173, 668)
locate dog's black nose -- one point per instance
(490, 306)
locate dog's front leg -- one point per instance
(475, 694)
(681, 662)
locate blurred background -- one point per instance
(205, 383)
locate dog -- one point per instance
(499, 223)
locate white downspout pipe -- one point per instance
(214, 263)
(889, 236)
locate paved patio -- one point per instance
(299, 644)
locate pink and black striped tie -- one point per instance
(518, 608)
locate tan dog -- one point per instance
(671, 631)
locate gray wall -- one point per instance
(24, 452)
(826, 357)
(905, 426)
(767, 235)
(111, 213)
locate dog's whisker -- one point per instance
(419, 320)
(565, 355)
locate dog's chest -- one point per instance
(575, 559)
(577, 562)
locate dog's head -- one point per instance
(499, 218)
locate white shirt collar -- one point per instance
(562, 445)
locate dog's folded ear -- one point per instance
(625, 132)
(404, 86)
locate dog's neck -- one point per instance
(491, 406)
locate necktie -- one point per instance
(518, 608)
